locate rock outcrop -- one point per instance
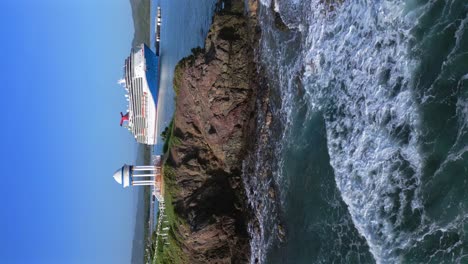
(216, 91)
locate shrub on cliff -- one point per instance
(180, 67)
(178, 72)
(169, 138)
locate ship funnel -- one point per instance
(123, 118)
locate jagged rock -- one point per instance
(216, 91)
(271, 193)
(281, 233)
(278, 21)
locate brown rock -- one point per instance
(271, 193)
(216, 91)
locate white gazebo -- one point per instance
(130, 175)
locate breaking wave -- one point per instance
(356, 63)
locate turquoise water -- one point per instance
(370, 110)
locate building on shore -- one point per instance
(147, 175)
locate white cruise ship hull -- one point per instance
(141, 80)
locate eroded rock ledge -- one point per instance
(216, 91)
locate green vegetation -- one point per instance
(170, 250)
(179, 69)
(149, 246)
(178, 72)
(171, 253)
(198, 50)
(169, 138)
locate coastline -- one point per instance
(215, 122)
(296, 140)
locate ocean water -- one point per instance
(185, 24)
(370, 133)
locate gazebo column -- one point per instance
(144, 168)
(143, 175)
(136, 183)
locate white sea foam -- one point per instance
(355, 69)
(266, 3)
(361, 71)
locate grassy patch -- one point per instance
(170, 250)
(178, 73)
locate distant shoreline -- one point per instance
(141, 21)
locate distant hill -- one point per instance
(141, 21)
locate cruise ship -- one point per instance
(141, 82)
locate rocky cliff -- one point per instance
(216, 90)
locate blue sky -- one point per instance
(60, 61)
